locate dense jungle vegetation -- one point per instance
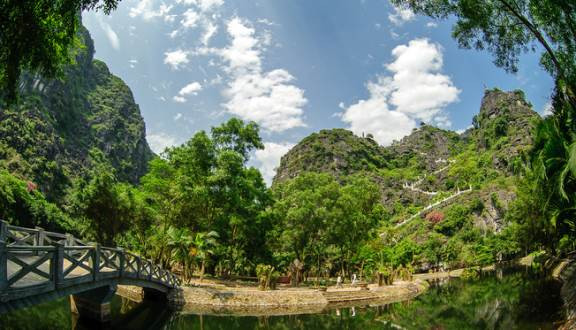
(73, 157)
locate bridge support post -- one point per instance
(3, 267)
(94, 304)
(4, 231)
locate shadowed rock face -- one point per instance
(63, 127)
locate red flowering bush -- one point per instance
(435, 216)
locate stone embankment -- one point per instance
(565, 271)
(295, 299)
(216, 299)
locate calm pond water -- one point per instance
(517, 300)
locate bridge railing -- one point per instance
(34, 261)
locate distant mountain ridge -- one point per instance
(504, 123)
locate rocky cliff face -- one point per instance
(504, 125)
(336, 151)
(63, 127)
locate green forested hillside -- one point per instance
(61, 128)
(446, 197)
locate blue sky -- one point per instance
(295, 67)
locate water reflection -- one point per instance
(517, 300)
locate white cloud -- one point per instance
(210, 30)
(547, 110)
(160, 141)
(203, 15)
(178, 116)
(110, 34)
(190, 19)
(179, 99)
(174, 34)
(373, 116)
(401, 15)
(462, 130)
(417, 87)
(243, 54)
(176, 59)
(266, 21)
(191, 89)
(269, 158)
(267, 98)
(133, 63)
(145, 10)
(203, 5)
(207, 5)
(415, 91)
(432, 25)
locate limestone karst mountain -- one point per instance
(64, 127)
(467, 178)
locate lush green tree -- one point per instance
(320, 220)
(39, 36)
(305, 206)
(106, 207)
(546, 203)
(357, 213)
(205, 186)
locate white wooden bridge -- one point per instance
(38, 265)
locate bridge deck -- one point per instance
(31, 279)
(34, 262)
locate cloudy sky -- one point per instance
(295, 67)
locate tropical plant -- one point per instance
(203, 247)
(180, 244)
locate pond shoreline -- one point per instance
(252, 301)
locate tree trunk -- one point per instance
(202, 269)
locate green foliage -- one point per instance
(205, 186)
(337, 151)
(315, 212)
(59, 122)
(266, 276)
(545, 207)
(22, 205)
(39, 36)
(108, 208)
(456, 217)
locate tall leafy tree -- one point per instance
(205, 186)
(38, 36)
(317, 214)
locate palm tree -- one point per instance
(554, 170)
(203, 245)
(180, 244)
